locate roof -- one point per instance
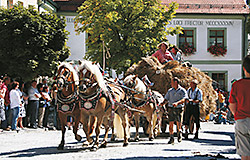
(210, 6)
(68, 5)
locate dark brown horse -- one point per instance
(100, 100)
(67, 99)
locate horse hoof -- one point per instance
(103, 145)
(137, 139)
(78, 138)
(151, 139)
(60, 147)
(94, 148)
(85, 144)
(125, 144)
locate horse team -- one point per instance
(93, 100)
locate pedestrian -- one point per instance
(221, 99)
(53, 103)
(176, 53)
(192, 107)
(175, 98)
(5, 90)
(33, 104)
(240, 107)
(45, 108)
(163, 55)
(15, 104)
(2, 108)
(22, 110)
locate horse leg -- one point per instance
(150, 126)
(97, 132)
(63, 128)
(86, 131)
(137, 125)
(91, 124)
(113, 132)
(106, 126)
(124, 119)
(75, 128)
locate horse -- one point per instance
(143, 99)
(67, 99)
(101, 100)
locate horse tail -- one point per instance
(119, 131)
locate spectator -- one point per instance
(175, 97)
(5, 87)
(43, 108)
(193, 107)
(15, 104)
(176, 53)
(240, 107)
(33, 104)
(22, 111)
(163, 55)
(2, 108)
(221, 98)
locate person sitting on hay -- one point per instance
(163, 55)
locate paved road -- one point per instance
(216, 140)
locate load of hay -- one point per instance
(161, 76)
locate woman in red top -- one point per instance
(163, 55)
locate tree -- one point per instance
(130, 29)
(31, 43)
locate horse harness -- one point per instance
(66, 104)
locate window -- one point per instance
(219, 80)
(187, 37)
(217, 37)
(10, 4)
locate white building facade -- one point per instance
(204, 26)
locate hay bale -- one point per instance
(161, 76)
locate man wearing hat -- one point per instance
(193, 107)
(163, 55)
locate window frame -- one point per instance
(194, 36)
(217, 29)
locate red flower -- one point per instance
(187, 49)
(217, 50)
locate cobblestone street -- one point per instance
(216, 142)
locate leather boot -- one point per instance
(171, 140)
(179, 135)
(196, 135)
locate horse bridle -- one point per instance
(64, 75)
(88, 80)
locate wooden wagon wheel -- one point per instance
(191, 124)
(164, 124)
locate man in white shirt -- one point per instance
(33, 104)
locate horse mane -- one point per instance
(94, 69)
(140, 86)
(72, 69)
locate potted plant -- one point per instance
(187, 49)
(217, 50)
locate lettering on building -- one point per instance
(201, 23)
(70, 20)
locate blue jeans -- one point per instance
(15, 112)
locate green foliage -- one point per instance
(31, 43)
(131, 29)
